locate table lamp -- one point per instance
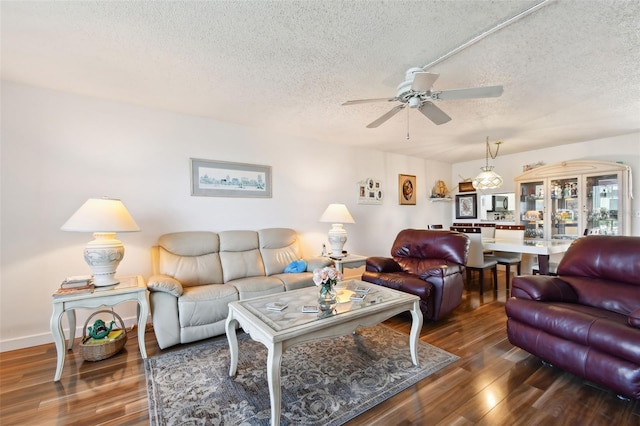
(337, 214)
(103, 217)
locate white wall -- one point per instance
(60, 149)
(624, 148)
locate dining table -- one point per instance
(542, 248)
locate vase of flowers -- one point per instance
(326, 278)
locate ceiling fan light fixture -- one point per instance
(414, 102)
(488, 179)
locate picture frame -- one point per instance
(407, 190)
(212, 178)
(466, 206)
(370, 191)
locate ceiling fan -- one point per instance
(417, 92)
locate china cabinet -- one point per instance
(569, 199)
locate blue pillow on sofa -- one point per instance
(296, 266)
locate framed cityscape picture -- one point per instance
(225, 179)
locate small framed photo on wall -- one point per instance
(407, 189)
(466, 206)
(370, 191)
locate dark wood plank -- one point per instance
(493, 383)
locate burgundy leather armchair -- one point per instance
(586, 320)
(427, 263)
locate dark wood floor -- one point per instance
(492, 384)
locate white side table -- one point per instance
(349, 261)
(131, 288)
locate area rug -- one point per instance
(324, 382)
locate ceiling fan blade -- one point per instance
(434, 113)
(476, 92)
(365, 101)
(386, 116)
(422, 81)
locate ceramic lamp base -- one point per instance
(103, 255)
(337, 239)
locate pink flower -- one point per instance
(326, 275)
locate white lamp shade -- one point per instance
(337, 213)
(101, 215)
(104, 217)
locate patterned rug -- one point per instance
(324, 382)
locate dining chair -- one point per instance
(508, 259)
(476, 260)
(438, 226)
(488, 229)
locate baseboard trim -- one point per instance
(46, 338)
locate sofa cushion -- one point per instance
(597, 328)
(278, 247)
(591, 256)
(605, 294)
(402, 281)
(190, 270)
(239, 255)
(257, 286)
(194, 243)
(449, 246)
(425, 268)
(203, 305)
(295, 281)
(190, 257)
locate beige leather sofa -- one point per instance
(196, 275)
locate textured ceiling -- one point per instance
(570, 70)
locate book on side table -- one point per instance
(76, 281)
(74, 291)
(75, 285)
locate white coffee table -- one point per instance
(280, 330)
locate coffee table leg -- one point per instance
(230, 327)
(416, 326)
(273, 378)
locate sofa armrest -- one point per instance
(382, 264)
(634, 318)
(317, 262)
(543, 288)
(165, 284)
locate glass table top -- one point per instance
(292, 315)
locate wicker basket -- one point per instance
(97, 352)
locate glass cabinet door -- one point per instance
(565, 208)
(531, 208)
(566, 200)
(601, 206)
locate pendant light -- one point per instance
(488, 179)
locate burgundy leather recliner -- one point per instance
(427, 263)
(587, 319)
